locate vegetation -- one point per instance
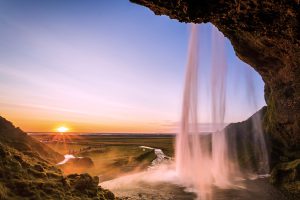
(286, 175)
(27, 173)
(87, 143)
(112, 155)
(17, 139)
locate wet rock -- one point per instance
(38, 168)
(287, 176)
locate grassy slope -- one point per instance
(16, 138)
(26, 171)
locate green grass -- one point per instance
(113, 156)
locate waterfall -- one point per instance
(204, 161)
(220, 158)
(192, 157)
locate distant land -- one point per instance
(99, 134)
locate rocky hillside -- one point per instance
(27, 171)
(16, 138)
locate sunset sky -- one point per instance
(103, 66)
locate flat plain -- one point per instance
(112, 155)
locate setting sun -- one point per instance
(62, 129)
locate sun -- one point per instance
(62, 129)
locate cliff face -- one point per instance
(266, 35)
(242, 143)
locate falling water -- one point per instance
(204, 161)
(258, 138)
(220, 158)
(192, 157)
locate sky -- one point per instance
(106, 66)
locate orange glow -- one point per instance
(49, 121)
(62, 129)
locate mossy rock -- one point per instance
(3, 191)
(287, 177)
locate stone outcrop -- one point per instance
(286, 175)
(266, 35)
(77, 165)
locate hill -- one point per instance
(27, 171)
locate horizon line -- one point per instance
(33, 132)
